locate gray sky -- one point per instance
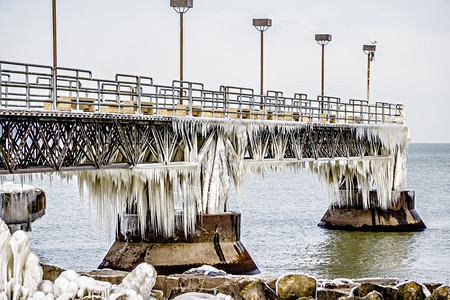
(141, 37)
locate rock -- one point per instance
(388, 293)
(141, 279)
(379, 281)
(51, 272)
(207, 271)
(112, 276)
(374, 295)
(294, 286)
(432, 286)
(258, 290)
(228, 285)
(200, 296)
(441, 293)
(176, 292)
(329, 294)
(411, 290)
(158, 295)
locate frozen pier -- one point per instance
(160, 156)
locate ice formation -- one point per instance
(217, 153)
(19, 267)
(202, 296)
(137, 283)
(21, 276)
(207, 270)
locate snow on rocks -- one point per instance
(207, 271)
(138, 283)
(202, 296)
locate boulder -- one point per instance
(50, 272)
(388, 293)
(374, 295)
(201, 296)
(295, 286)
(441, 293)
(228, 285)
(411, 290)
(432, 286)
(158, 295)
(329, 294)
(258, 290)
(186, 290)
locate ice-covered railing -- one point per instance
(39, 87)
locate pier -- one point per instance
(158, 147)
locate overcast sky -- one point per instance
(141, 37)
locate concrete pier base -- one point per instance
(19, 210)
(216, 242)
(400, 217)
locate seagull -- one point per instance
(373, 41)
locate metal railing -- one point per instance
(39, 87)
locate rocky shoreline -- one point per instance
(294, 286)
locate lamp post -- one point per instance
(181, 7)
(55, 58)
(262, 25)
(369, 50)
(323, 40)
(55, 62)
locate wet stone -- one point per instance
(295, 286)
(388, 293)
(258, 290)
(410, 291)
(441, 293)
(184, 290)
(432, 286)
(374, 295)
(329, 294)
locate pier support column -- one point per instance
(402, 216)
(215, 242)
(18, 209)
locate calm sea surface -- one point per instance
(280, 214)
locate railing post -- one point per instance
(139, 111)
(27, 88)
(54, 88)
(78, 90)
(1, 88)
(98, 96)
(190, 100)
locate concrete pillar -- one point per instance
(401, 216)
(215, 242)
(20, 209)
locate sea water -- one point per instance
(280, 213)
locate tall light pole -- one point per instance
(369, 50)
(55, 61)
(262, 25)
(181, 7)
(55, 58)
(323, 40)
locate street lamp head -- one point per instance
(262, 24)
(181, 6)
(370, 51)
(323, 39)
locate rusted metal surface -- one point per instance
(215, 242)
